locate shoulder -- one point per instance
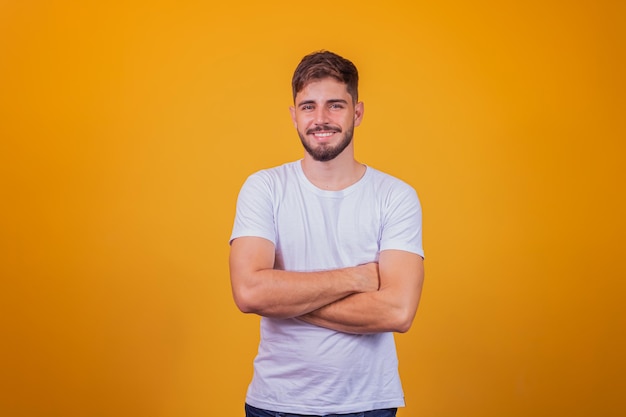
(275, 174)
(388, 185)
(271, 178)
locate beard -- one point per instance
(325, 152)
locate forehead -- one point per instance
(322, 89)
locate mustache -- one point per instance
(324, 128)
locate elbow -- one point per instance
(402, 327)
(246, 294)
(402, 321)
(244, 301)
(244, 308)
(249, 301)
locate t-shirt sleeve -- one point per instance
(254, 215)
(402, 228)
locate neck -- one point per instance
(334, 175)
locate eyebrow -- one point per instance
(331, 101)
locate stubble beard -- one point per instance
(325, 152)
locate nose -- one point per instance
(321, 115)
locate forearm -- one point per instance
(391, 308)
(285, 294)
(363, 313)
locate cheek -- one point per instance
(303, 122)
(349, 120)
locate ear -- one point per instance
(292, 111)
(359, 109)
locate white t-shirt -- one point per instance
(305, 369)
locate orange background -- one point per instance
(127, 129)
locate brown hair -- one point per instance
(323, 64)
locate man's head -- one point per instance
(325, 64)
(325, 109)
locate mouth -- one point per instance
(323, 133)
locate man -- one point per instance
(329, 252)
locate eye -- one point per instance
(306, 107)
(336, 106)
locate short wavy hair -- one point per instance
(324, 64)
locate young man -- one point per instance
(329, 252)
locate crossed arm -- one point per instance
(370, 298)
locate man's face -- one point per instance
(325, 115)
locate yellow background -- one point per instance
(127, 129)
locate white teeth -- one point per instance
(323, 135)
